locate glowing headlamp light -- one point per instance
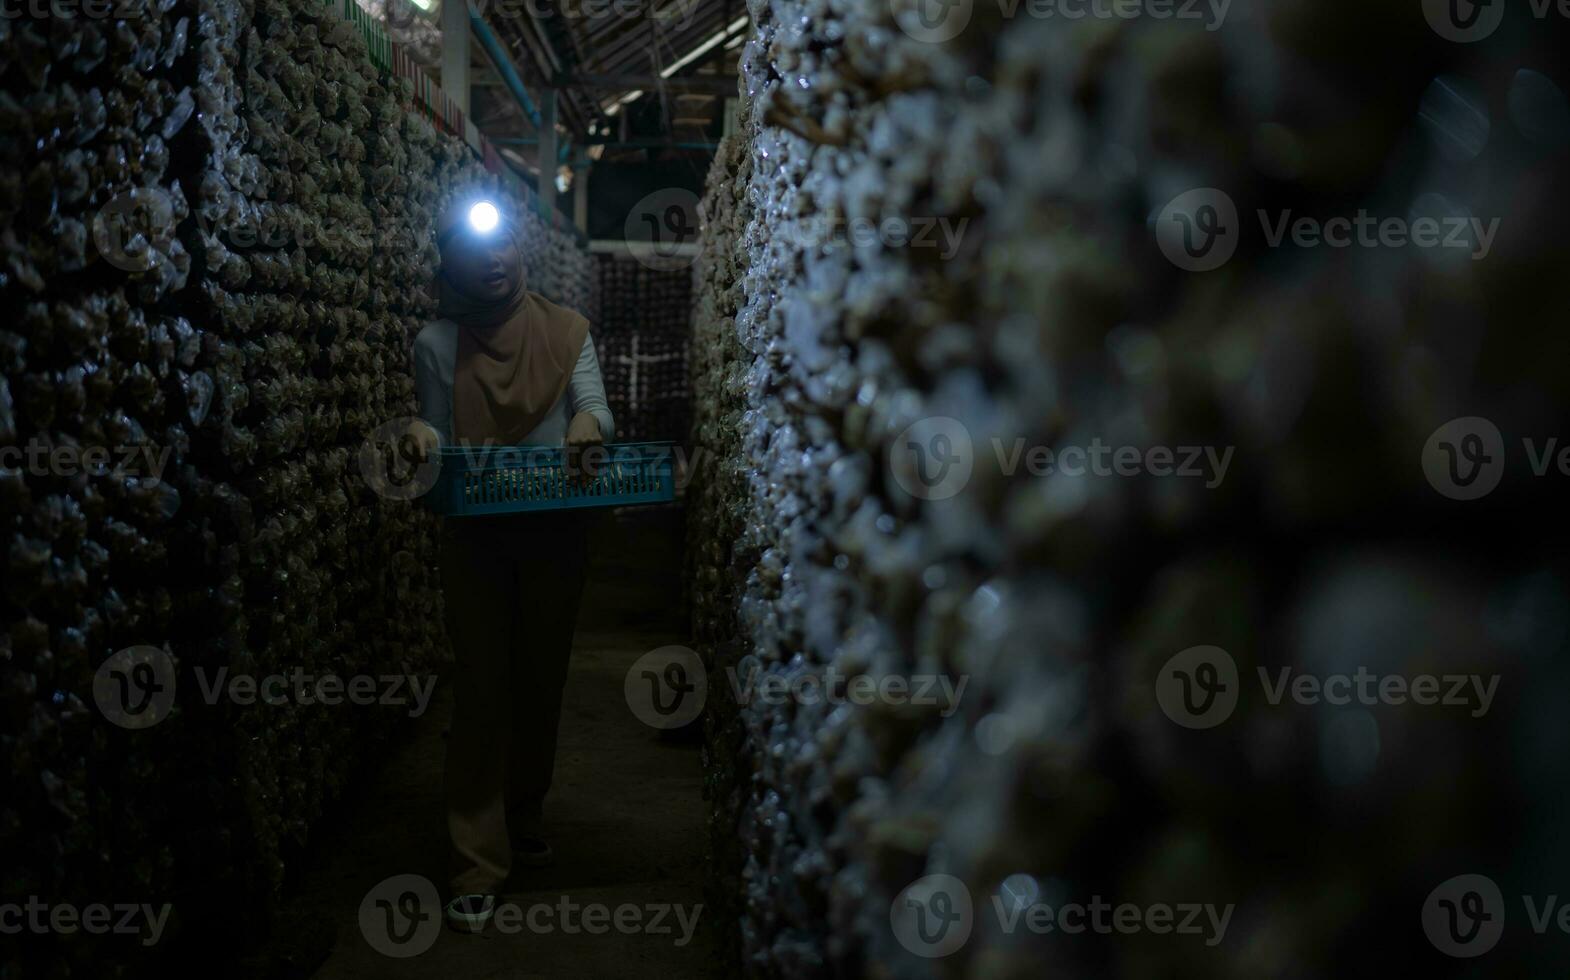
(481, 221)
(483, 218)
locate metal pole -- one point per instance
(498, 56)
(611, 144)
(455, 52)
(709, 84)
(548, 162)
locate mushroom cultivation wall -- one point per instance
(216, 251)
(1053, 146)
(642, 330)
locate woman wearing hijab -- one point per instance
(504, 366)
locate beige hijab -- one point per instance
(515, 359)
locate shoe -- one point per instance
(532, 852)
(470, 913)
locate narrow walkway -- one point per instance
(625, 815)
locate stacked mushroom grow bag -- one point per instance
(217, 247)
(642, 334)
(1057, 321)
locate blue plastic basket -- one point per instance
(520, 479)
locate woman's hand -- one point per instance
(423, 437)
(584, 430)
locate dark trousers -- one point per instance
(511, 585)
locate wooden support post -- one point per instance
(580, 194)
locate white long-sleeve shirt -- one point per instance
(436, 357)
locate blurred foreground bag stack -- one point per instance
(1051, 317)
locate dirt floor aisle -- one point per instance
(625, 814)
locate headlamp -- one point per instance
(483, 217)
(480, 220)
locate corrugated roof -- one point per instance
(593, 51)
